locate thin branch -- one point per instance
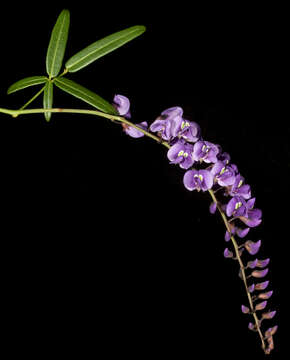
(242, 267)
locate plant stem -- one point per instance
(120, 119)
(242, 267)
(32, 99)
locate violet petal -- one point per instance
(269, 315)
(261, 305)
(262, 285)
(265, 295)
(260, 273)
(253, 247)
(245, 309)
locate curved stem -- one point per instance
(242, 267)
(120, 119)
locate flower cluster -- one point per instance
(209, 168)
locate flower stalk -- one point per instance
(242, 269)
(187, 149)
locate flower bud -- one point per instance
(252, 247)
(265, 295)
(252, 264)
(263, 263)
(245, 309)
(251, 288)
(269, 315)
(228, 253)
(271, 331)
(261, 305)
(260, 273)
(262, 285)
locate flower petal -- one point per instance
(252, 247)
(245, 309)
(263, 263)
(212, 208)
(227, 236)
(228, 253)
(231, 206)
(122, 104)
(188, 179)
(135, 133)
(269, 315)
(265, 295)
(251, 288)
(242, 232)
(262, 285)
(271, 331)
(207, 179)
(252, 264)
(261, 305)
(251, 326)
(260, 273)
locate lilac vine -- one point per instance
(208, 168)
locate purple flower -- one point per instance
(181, 153)
(189, 130)
(239, 188)
(133, 132)
(260, 273)
(265, 295)
(242, 232)
(198, 180)
(261, 305)
(224, 175)
(269, 315)
(251, 288)
(162, 127)
(252, 247)
(262, 286)
(251, 326)
(224, 157)
(205, 151)
(227, 236)
(168, 124)
(252, 264)
(236, 230)
(271, 331)
(245, 309)
(213, 207)
(263, 263)
(237, 206)
(122, 105)
(228, 253)
(253, 217)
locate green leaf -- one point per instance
(26, 82)
(48, 99)
(84, 94)
(57, 44)
(102, 47)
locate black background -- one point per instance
(103, 251)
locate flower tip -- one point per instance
(269, 315)
(261, 305)
(245, 309)
(260, 273)
(228, 253)
(253, 247)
